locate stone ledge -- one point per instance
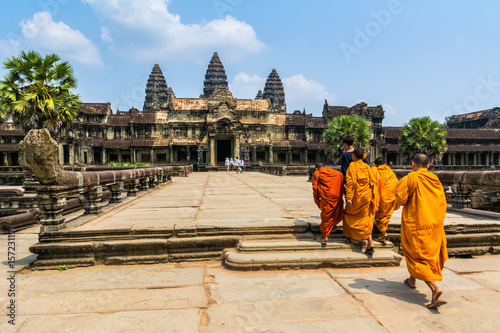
(309, 259)
(304, 245)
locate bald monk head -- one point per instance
(319, 166)
(358, 154)
(419, 161)
(379, 161)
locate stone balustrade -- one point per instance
(285, 170)
(39, 153)
(11, 175)
(52, 198)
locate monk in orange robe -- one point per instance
(422, 226)
(362, 201)
(328, 192)
(386, 184)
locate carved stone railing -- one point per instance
(40, 153)
(468, 189)
(11, 175)
(285, 170)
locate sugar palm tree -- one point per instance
(423, 135)
(36, 92)
(339, 127)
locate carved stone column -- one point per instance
(71, 154)
(271, 159)
(212, 150)
(132, 155)
(116, 192)
(93, 197)
(51, 203)
(152, 181)
(30, 184)
(254, 155)
(103, 157)
(144, 184)
(132, 187)
(237, 146)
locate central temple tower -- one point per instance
(215, 77)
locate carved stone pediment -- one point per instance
(221, 111)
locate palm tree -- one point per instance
(36, 92)
(423, 135)
(339, 127)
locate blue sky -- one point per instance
(414, 57)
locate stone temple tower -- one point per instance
(275, 92)
(157, 92)
(215, 77)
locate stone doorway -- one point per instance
(223, 150)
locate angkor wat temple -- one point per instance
(204, 131)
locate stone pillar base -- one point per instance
(93, 197)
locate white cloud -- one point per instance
(299, 91)
(246, 86)
(146, 31)
(41, 32)
(105, 36)
(298, 88)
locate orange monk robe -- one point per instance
(422, 224)
(362, 191)
(386, 184)
(328, 192)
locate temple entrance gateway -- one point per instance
(223, 150)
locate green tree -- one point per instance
(339, 127)
(36, 92)
(423, 135)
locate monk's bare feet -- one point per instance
(436, 294)
(324, 240)
(410, 282)
(382, 238)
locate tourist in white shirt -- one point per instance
(242, 164)
(227, 163)
(237, 164)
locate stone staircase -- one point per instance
(307, 253)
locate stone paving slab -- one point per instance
(112, 300)
(296, 310)
(119, 277)
(180, 321)
(361, 324)
(393, 284)
(466, 311)
(252, 291)
(490, 280)
(480, 264)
